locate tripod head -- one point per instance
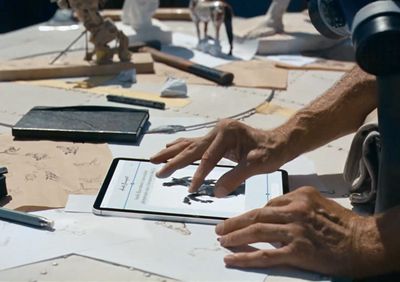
(374, 28)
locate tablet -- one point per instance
(131, 189)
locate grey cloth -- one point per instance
(362, 165)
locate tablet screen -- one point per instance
(134, 187)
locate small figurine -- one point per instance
(217, 12)
(102, 31)
(138, 14)
(272, 22)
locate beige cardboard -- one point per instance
(44, 173)
(254, 74)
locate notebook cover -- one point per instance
(83, 123)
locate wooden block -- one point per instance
(72, 65)
(113, 14)
(162, 14)
(173, 14)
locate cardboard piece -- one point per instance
(299, 35)
(44, 173)
(257, 74)
(274, 109)
(71, 65)
(320, 64)
(254, 74)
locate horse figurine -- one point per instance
(216, 12)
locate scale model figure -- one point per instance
(102, 31)
(216, 12)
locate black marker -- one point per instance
(136, 101)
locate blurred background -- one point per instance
(15, 14)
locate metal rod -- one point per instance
(388, 194)
(68, 47)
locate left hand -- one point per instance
(315, 234)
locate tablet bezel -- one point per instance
(153, 215)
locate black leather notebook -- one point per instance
(83, 123)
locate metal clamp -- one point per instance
(3, 186)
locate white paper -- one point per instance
(294, 60)
(241, 51)
(153, 143)
(186, 252)
(300, 166)
(177, 250)
(80, 203)
(74, 233)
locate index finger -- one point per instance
(209, 160)
(169, 152)
(190, 154)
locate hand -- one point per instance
(314, 233)
(255, 151)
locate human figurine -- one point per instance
(102, 31)
(272, 22)
(138, 14)
(216, 12)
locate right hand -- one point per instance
(256, 151)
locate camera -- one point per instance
(374, 27)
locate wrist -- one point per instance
(367, 252)
(278, 146)
(293, 137)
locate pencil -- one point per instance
(136, 102)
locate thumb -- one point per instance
(231, 180)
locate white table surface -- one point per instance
(208, 103)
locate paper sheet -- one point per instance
(186, 252)
(73, 233)
(80, 203)
(241, 51)
(294, 60)
(59, 269)
(153, 143)
(43, 173)
(105, 90)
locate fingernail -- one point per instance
(161, 174)
(222, 241)
(219, 228)
(229, 259)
